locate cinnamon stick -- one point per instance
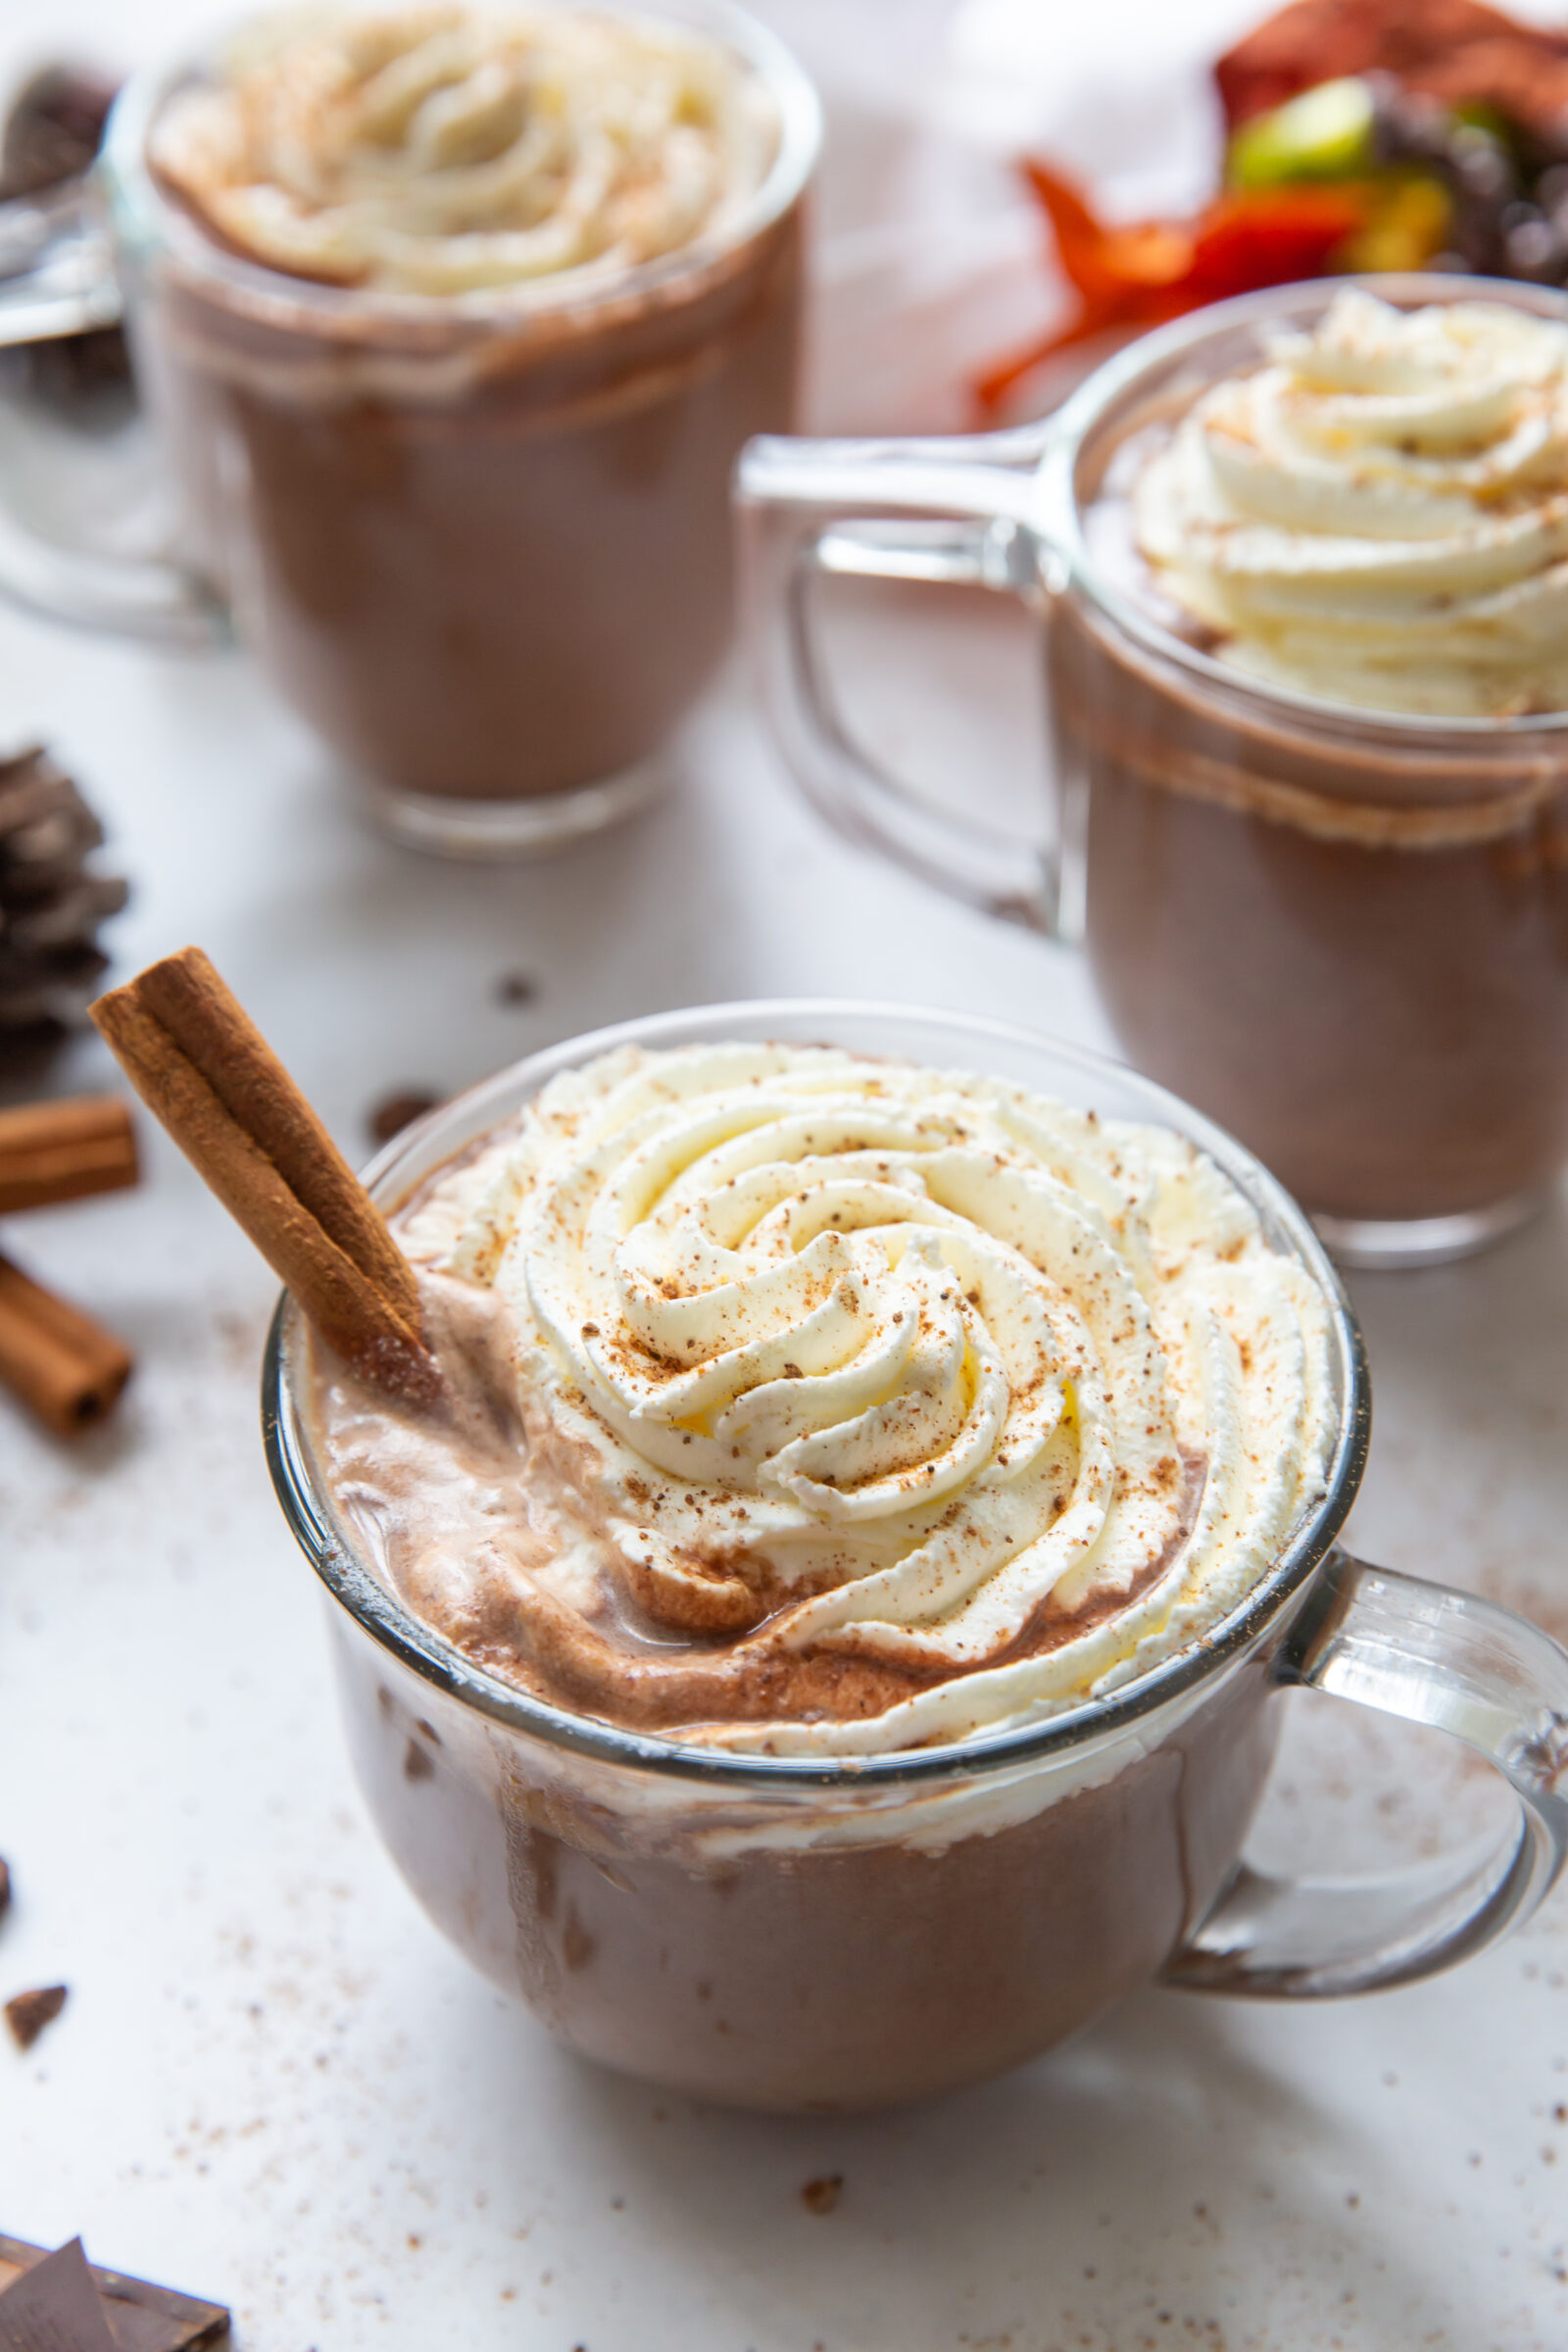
(62, 1364)
(52, 1151)
(204, 1070)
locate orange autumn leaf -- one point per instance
(1140, 275)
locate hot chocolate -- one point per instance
(1356, 959)
(817, 1954)
(1301, 564)
(463, 316)
(811, 1405)
(804, 1406)
(1345, 935)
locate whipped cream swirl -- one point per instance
(858, 1404)
(455, 148)
(1379, 515)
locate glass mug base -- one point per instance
(1388, 1244)
(482, 831)
(802, 1970)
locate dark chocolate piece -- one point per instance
(393, 1112)
(822, 2194)
(28, 2012)
(140, 2316)
(53, 131)
(49, 139)
(55, 2307)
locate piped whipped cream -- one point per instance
(458, 148)
(1380, 515)
(818, 1403)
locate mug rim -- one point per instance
(145, 215)
(1061, 520)
(1085, 1728)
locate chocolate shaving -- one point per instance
(5, 1885)
(140, 2316)
(28, 2012)
(822, 2194)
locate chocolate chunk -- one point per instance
(516, 987)
(49, 138)
(140, 2316)
(395, 1112)
(822, 2194)
(29, 2013)
(53, 129)
(55, 2307)
(71, 370)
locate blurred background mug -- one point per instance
(1342, 932)
(479, 539)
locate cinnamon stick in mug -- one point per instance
(64, 1151)
(205, 1071)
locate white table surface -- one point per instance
(272, 2084)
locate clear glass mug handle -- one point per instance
(961, 511)
(57, 277)
(1429, 1655)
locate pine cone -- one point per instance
(51, 904)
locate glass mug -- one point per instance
(481, 542)
(790, 1933)
(1342, 934)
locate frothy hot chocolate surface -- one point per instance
(810, 1403)
(1380, 515)
(457, 148)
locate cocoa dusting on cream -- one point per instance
(798, 1403)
